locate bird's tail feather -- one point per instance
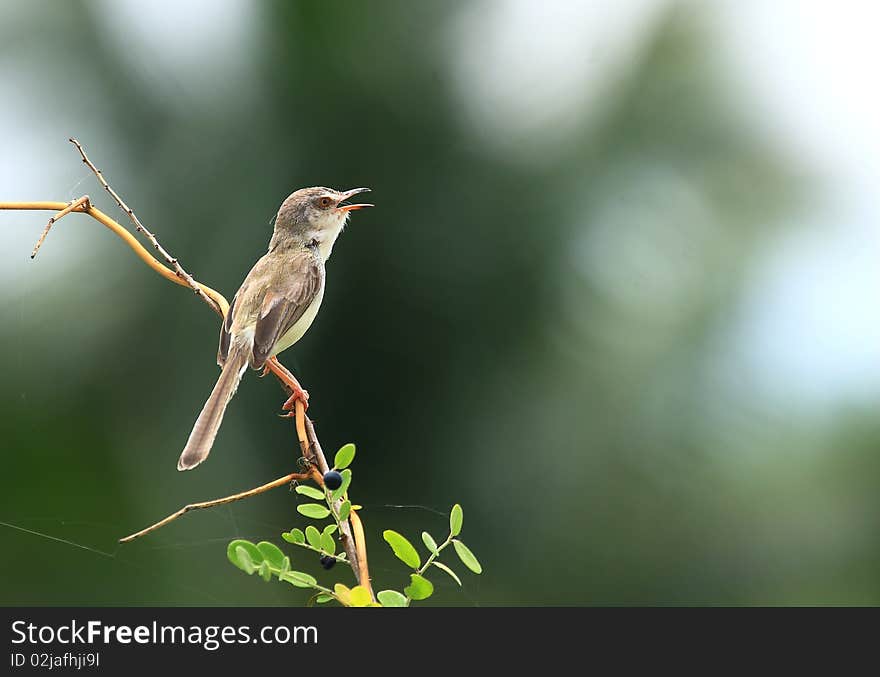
(201, 439)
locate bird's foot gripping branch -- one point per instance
(332, 484)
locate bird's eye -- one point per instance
(325, 202)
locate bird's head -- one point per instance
(315, 217)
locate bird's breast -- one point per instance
(295, 333)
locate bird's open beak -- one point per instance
(349, 193)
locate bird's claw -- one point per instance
(299, 395)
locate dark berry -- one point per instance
(332, 480)
(327, 562)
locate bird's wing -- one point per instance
(226, 334)
(285, 302)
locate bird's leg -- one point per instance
(288, 379)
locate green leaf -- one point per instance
(328, 544)
(265, 572)
(313, 536)
(323, 598)
(360, 596)
(391, 598)
(429, 542)
(343, 594)
(271, 553)
(313, 510)
(300, 579)
(311, 492)
(344, 510)
(285, 566)
(244, 555)
(402, 548)
(330, 529)
(242, 559)
(295, 536)
(346, 481)
(344, 457)
(449, 571)
(467, 557)
(456, 518)
(420, 588)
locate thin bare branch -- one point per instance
(81, 205)
(287, 479)
(170, 260)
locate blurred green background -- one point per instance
(617, 298)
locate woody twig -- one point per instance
(139, 227)
(281, 481)
(81, 205)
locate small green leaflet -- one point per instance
(429, 542)
(244, 554)
(391, 598)
(311, 492)
(328, 545)
(467, 557)
(313, 510)
(420, 588)
(456, 517)
(299, 579)
(402, 548)
(295, 536)
(313, 536)
(449, 571)
(242, 559)
(271, 553)
(344, 456)
(360, 596)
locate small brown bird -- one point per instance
(276, 303)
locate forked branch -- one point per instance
(81, 205)
(170, 260)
